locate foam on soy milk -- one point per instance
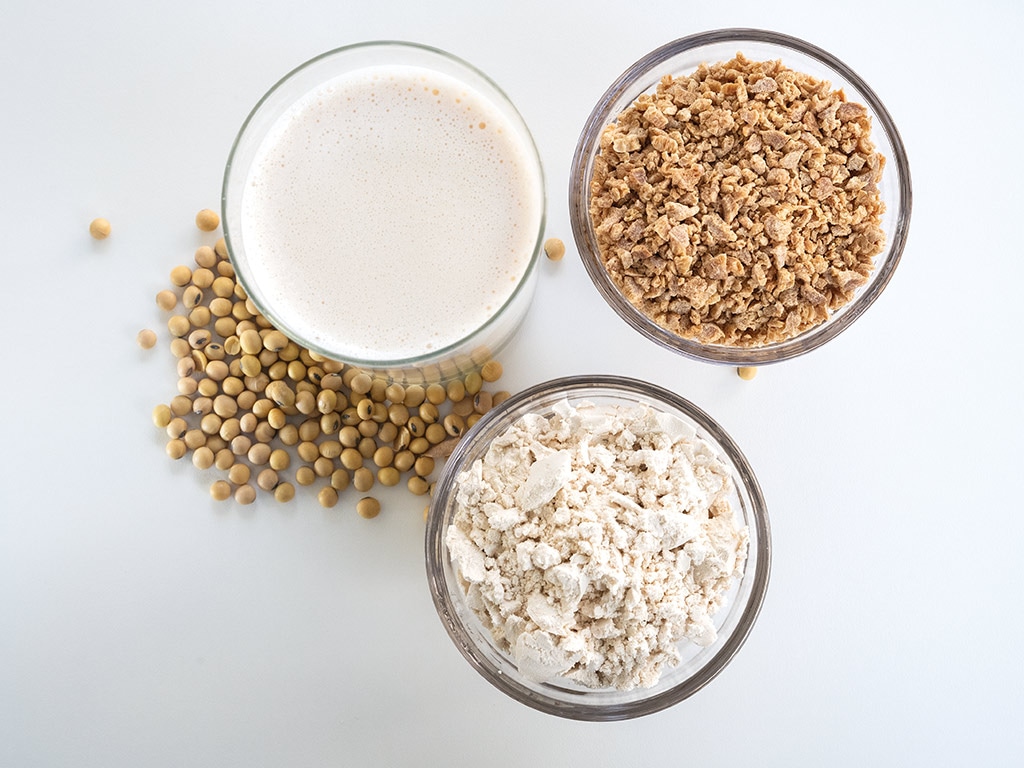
(389, 213)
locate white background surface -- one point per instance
(141, 624)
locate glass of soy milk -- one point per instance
(383, 205)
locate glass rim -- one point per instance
(532, 156)
(582, 227)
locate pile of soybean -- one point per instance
(271, 415)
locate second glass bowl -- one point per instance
(698, 665)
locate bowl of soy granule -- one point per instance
(740, 196)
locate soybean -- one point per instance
(181, 276)
(414, 395)
(264, 432)
(225, 406)
(202, 457)
(746, 372)
(464, 407)
(491, 371)
(368, 507)
(308, 451)
(454, 425)
(180, 405)
(207, 220)
(245, 494)
(284, 492)
(198, 338)
(259, 454)
(203, 276)
(267, 479)
(367, 447)
(554, 249)
(167, 300)
(340, 479)
(288, 435)
(456, 390)
(436, 394)
(483, 402)
(275, 341)
(388, 476)
(176, 427)
(362, 479)
(330, 449)
(161, 416)
(364, 408)
(223, 288)
(279, 459)
(239, 473)
(473, 382)
(205, 256)
(99, 228)
(351, 459)
(176, 448)
(436, 433)
(220, 490)
(211, 424)
(180, 348)
(417, 485)
(404, 460)
(361, 383)
(224, 459)
(384, 456)
(387, 433)
(146, 338)
(178, 325)
(191, 297)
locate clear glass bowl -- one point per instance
(566, 699)
(682, 57)
(455, 356)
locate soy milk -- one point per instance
(389, 213)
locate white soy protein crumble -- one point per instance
(591, 541)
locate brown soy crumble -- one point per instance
(739, 205)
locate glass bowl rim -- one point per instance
(581, 387)
(582, 227)
(532, 157)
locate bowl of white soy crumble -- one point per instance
(598, 548)
(740, 196)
